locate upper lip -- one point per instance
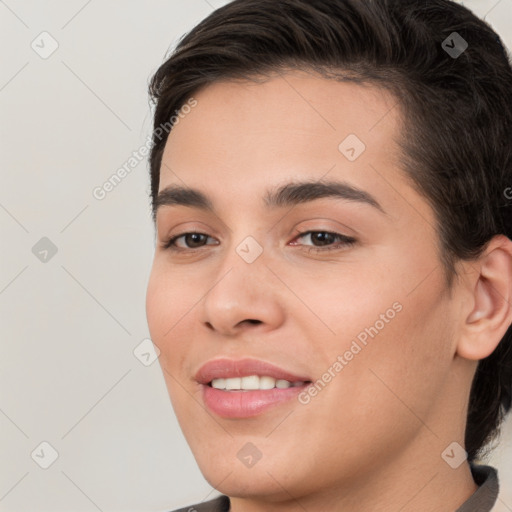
(225, 368)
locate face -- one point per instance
(342, 292)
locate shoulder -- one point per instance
(485, 498)
(220, 504)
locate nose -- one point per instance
(244, 296)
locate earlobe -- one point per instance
(491, 296)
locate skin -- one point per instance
(372, 439)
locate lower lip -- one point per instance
(244, 404)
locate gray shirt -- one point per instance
(483, 500)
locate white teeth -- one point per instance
(233, 383)
(253, 382)
(219, 383)
(267, 382)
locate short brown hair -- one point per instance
(456, 143)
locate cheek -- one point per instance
(405, 359)
(167, 297)
(346, 299)
(156, 304)
(171, 302)
(396, 334)
(165, 305)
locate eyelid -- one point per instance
(325, 224)
(169, 242)
(343, 241)
(185, 228)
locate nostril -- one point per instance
(250, 321)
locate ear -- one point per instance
(490, 296)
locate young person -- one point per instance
(332, 283)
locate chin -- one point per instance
(245, 484)
(264, 480)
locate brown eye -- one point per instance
(192, 241)
(323, 240)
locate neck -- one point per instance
(404, 485)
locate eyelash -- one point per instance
(345, 241)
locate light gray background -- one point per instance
(70, 325)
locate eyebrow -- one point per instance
(289, 194)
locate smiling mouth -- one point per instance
(254, 383)
(244, 388)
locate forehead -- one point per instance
(295, 117)
(242, 137)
